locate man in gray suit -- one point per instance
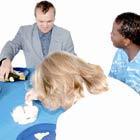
(37, 40)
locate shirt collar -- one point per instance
(41, 34)
(137, 57)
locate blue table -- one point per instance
(12, 95)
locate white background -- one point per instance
(89, 21)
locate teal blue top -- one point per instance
(125, 70)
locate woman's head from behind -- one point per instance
(59, 79)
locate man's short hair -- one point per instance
(44, 6)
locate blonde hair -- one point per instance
(59, 80)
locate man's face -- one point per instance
(45, 22)
(117, 39)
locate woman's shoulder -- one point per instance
(116, 87)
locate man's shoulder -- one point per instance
(60, 29)
(28, 27)
(60, 32)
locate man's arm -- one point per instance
(11, 48)
(7, 54)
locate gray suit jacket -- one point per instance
(27, 39)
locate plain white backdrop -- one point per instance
(89, 21)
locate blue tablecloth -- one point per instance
(12, 95)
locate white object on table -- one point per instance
(39, 136)
(25, 114)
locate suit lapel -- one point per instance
(36, 42)
(55, 44)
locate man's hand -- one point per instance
(5, 69)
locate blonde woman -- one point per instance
(59, 80)
(64, 80)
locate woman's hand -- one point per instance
(30, 96)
